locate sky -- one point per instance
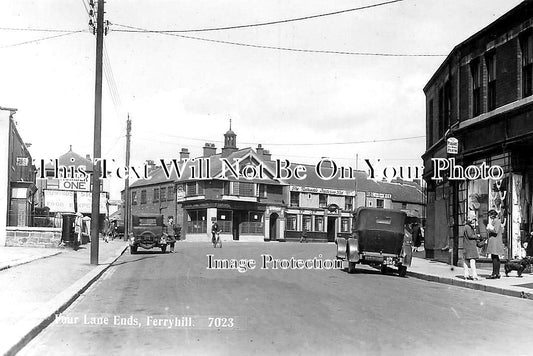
(182, 92)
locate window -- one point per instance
(379, 203)
(197, 221)
(319, 223)
(227, 188)
(475, 70)
(191, 189)
(163, 194)
(526, 45)
(251, 223)
(322, 201)
(156, 195)
(430, 122)
(295, 199)
(143, 196)
(225, 219)
(246, 189)
(404, 205)
(345, 224)
(348, 203)
(170, 193)
(133, 198)
(262, 190)
(490, 61)
(291, 222)
(306, 222)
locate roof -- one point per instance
(71, 158)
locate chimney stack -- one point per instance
(260, 150)
(209, 149)
(184, 153)
(267, 155)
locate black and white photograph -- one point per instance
(281, 177)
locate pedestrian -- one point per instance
(470, 253)
(494, 242)
(417, 235)
(171, 233)
(303, 238)
(215, 229)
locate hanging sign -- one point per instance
(452, 146)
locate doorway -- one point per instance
(332, 222)
(273, 226)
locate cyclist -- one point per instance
(215, 231)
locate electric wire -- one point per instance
(303, 50)
(34, 29)
(273, 22)
(41, 39)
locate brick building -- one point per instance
(481, 96)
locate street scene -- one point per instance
(242, 177)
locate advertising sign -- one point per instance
(58, 200)
(85, 202)
(74, 184)
(452, 146)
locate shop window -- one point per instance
(156, 195)
(225, 220)
(345, 225)
(306, 220)
(133, 198)
(526, 45)
(348, 202)
(322, 201)
(490, 62)
(163, 194)
(290, 222)
(197, 221)
(475, 70)
(380, 203)
(252, 223)
(143, 196)
(295, 199)
(319, 223)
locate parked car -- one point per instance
(379, 239)
(148, 231)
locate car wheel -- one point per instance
(402, 270)
(384, 269)
(351, 267)
(133, 250)
(163, 249)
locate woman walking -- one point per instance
(494, 243)
(470, 253)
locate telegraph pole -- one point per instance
(127, 182)
(97, 150)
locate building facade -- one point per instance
(479, 115)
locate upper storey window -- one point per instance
(490, 61)
(475, 70)
(526, 45)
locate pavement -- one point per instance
(42, 283)
(47, 281)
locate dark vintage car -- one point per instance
(148, 232)
(379, 239)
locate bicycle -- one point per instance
(216, 240)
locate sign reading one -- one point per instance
(452, 146)
(74, 184)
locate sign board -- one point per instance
(180, 192)
(378, 195)
(452, 146)
(85, 202)
(58, 200)
(22, 161)
(295, 188)
(115, 202)
(77, 184)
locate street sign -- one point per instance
(452, 146)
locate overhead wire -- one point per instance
(41, 39)
(272, 22)
(279, 48)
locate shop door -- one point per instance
(331, 228)
(237, 219)
(273, 226)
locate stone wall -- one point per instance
(33, 236)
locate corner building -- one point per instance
(482, 95)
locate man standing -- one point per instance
(171, 233)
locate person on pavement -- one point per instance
(171, 233)
(494, 243)
(303, 237)
(470, 253)
(215, 229)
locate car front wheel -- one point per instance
(133, 250)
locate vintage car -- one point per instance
(148, 232)
(379, 239)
